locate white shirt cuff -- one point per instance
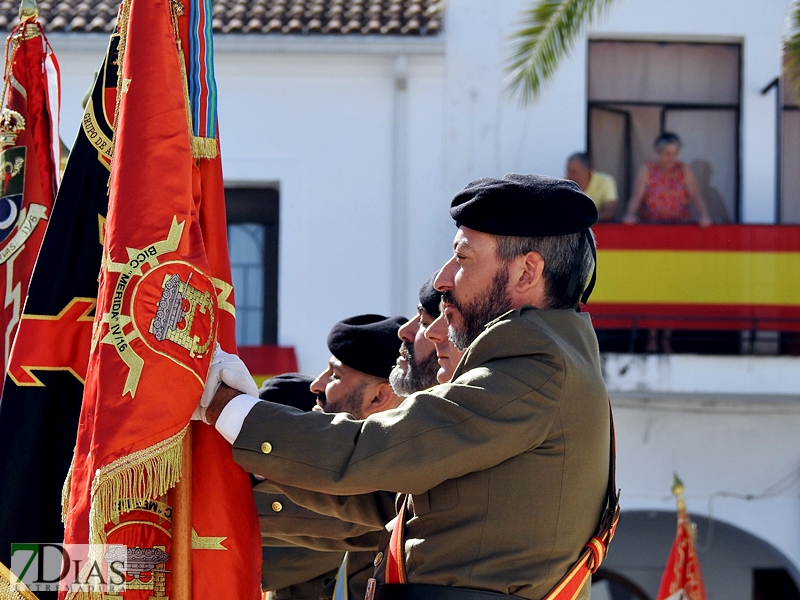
(232, 417)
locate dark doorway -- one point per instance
(773, 584)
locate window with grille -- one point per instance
(253, 227)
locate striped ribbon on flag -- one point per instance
(198, 71)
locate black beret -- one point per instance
(429, 297)
(524, 205)
(367, 343)
(291, 389)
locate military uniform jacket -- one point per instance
(507, 464)
(291, 569)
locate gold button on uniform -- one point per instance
(277, 506)
(266, 447)
(378, 559)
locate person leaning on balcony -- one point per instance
(664, 189)
(600, 187)
(507, 466)
(661, 194)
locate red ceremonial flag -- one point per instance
(214, 468)
(30, 156)
(682, 579)
(164, 300)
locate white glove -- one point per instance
(227, 368)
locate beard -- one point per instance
(419, 374)
(476, 314)
(351, 403)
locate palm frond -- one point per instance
(791, 48)
(547, 32)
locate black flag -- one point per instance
(43, 388)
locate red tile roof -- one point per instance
(297, 17)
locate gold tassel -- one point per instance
(65, 491)
(204, 147)
(143, 475)
(13, 591)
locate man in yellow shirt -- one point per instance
(600, 187)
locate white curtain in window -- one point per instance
(609, 147)
(645, 128)
(790, 168)
(664, 72)
(709, 148)
(790, 153)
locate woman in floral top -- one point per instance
(664, 188)
(661, 194)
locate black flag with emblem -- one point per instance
(43, 389)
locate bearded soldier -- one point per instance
(505, 470)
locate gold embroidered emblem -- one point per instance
(11, 125)
(168, 305)
(172, 312)
(145, 569)
(207, 543)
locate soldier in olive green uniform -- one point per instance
(288, 571)
(356, 380)
(301, 548)
(507, 466)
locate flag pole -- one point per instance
(28, 9)
(682, 577)
(182, 525)
(677, 489)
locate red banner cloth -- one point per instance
(222, 491)
(682, 579)
(30, 153)
(164, 298)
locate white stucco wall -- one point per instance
(726, 424)
(317, 120)
(738, 459)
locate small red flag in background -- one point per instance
(682, 579)
(30, 156)
(164, 299)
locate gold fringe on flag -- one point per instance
(143, 475)
(13, 591)
(203, 147)
(65, 491)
